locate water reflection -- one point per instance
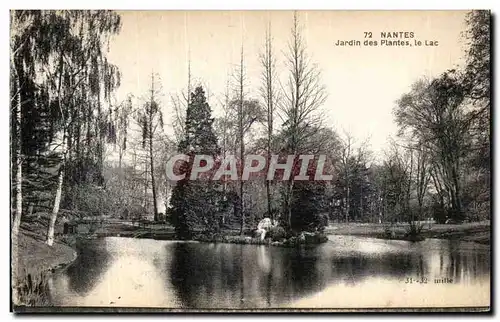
(89, 265)
(133, 272)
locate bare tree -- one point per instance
(150, 120)
(346, 146)
(180, 104)
(422, 176)
(303, 95)
(269, 95)
(433, 113)
(240, 78)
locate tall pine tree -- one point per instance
(194, 203)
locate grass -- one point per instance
(32, 290)
(478, 232)
(36, 260)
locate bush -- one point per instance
(307, 239)
(308, 207)
(89, 199)
(414, 231)
(389, 232)
(276, 233)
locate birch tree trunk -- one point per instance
(60, 179)
(19, 195)
(57, 199)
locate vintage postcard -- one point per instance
(259, 161)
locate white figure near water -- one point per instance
(264, 225)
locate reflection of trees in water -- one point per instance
(431, 263)
(246, 276)
(197, 273)
(467, 265)
(302, 277)
(354, 268)
(239, 275)
(232, 276)
(90, 265)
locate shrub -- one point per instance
(389, 232)
(316, 238)
(276, 233)
(414, 231)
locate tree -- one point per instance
(122, 115)
(151, 122)
(241, 83)
(269, 95)
(195, 202)
(311, 197)
(15, 46)
(303, 95)
(395, 177)
(433, 113)
(180, 104)
(477, 82)
(477, 69)
(345, 171)
(422, 176)
(75, 73)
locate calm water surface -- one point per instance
(344, 272)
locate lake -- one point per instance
(345, 272)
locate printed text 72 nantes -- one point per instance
(301, 167)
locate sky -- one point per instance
(362, 83)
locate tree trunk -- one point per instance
(57, 200)
(120, 157)
(348, 203)
(361, 204)
(268, 193)
(268, 182)
(153, 183)
(242, 143)
(150, 132)
(290, 198)
(19, 195)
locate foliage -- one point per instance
(62, 86)
(89, 199)
(276, 233)
(414, 231)
(197, 203)
(307, 206)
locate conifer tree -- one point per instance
(195, 202)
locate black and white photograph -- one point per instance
(250, 160)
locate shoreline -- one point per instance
(470, 232)
(37, 258)
(37, 262)
(478, 232)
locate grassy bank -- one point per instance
(35, 256)
(479, 232)
(36, 261)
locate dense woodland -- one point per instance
(77, 152)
